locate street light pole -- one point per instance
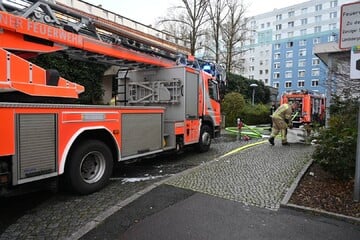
(253, 86)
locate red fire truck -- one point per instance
(311, 106)
(161, 105)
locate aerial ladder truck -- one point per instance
(164, 103)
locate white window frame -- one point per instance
(288, 84)
(302, 42)
(289, 64)
(302, 52)
(302, 63)
(315, 72)
(289, 54)
(301, 73)
(301, 83)
(315, 61)
(288, 74)
(315, 82)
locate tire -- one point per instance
(89, 167)
(204, 139)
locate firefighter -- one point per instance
(281, 120)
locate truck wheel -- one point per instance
(205, 139)
(89, 167)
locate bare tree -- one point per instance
(187, 21)
(217, 12)
(234, 31)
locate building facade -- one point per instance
(279, 47)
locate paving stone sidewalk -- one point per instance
(258, 176)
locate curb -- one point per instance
(285, 202)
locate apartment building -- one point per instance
(279, 49)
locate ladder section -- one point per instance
(155, 92)
(87, 21)
(17, 74)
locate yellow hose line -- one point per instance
(243, 148)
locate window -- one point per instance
(291, 13)
(315, 72)
(289, 64)
(332, 26)
(287, 84)
(260, 72)
(333, 3)
(316, 40)
(318, 7)
(252, 59)
(303, 32)
(266, 81)
(302, 43)
(289, 44)
(303, 10)
(317, 29)
(276, 75)
(278, 17)
(251, 77)
(266, 71)
(213, 90)
(290, 34)
(289, 54)
(302, 52)
(302, 63)
(277, 36)
(315, 61)
(333, 15)
(251, 68)
(315, 82)
(262, 25)
(301, 73)
(301, 83)
(332, 38)
(277, 46)
(261, 62)
(318, 18)
(291, 24)
(288, 74)
(277, 56)
(276, 65)
(304, 21)
(278, 26)
(276, 84)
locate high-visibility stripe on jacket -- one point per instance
(283, 112)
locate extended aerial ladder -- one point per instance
(42, 26)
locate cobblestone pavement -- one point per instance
(257, 177)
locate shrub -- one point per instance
(336, 149)
(231, 107)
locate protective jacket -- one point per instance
(283, 112)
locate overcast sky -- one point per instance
(146, 11)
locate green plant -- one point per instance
(336, 149)
(231, 107)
